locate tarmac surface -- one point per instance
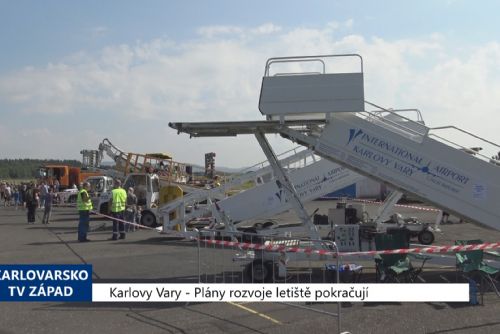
(147, 256)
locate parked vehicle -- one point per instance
(68, 176)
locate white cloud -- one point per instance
(215, 31)
(216, 76)
(335, 25)
(99, 31)
(265, 29)
(349, 23)
(223, 31)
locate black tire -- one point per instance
(426, 237)
(268, 224)
(259, 271)
(148, 219)
(104, 209)
(258, 226)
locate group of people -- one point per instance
(31, 196)
(122, 206)
(42, 197)
(12, 194)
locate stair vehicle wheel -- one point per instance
(259, 271)
(148, 219)
(249, 235)
(258, 226)
(268, 224)
(426, 237)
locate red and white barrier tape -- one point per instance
(422, 208)
(64, 205)
(309, 250)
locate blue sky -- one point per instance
(75, 72)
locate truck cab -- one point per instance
(50, 173)
(68, 176)
(100, 192)
(147, 189)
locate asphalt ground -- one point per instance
(146, 256)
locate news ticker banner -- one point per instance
(71, 283)
(110, 292)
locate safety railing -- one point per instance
(261, 265)
(321, 59)
(393, 120)
(477, 142)
(220, 262)
(416, 130)
(287, 158)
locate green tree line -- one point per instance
(28, 168)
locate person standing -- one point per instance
(22, 193)
(117, 205)
(15, 195)
(7, 194)
(49, 199)
(84, 205)
(44, 190)
(2, 191)
(31, 202)
(131, 209)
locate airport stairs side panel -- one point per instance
(261, 170)
(269, 199)
(336, 92)
(416, 163)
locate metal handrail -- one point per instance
(419, 117)
(284, 74)
(466, 132)
(298, 60)
(397, 111)
(292, 59)
(266, 162)
(395, 124)
(465, 149)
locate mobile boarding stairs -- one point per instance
(312, 178)
(324, 110)
(310, 175)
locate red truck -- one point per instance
(66, 175)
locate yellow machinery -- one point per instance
(168, 194)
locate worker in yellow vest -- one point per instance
(117, 206)
(84, 205)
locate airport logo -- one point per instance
(353, 134)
